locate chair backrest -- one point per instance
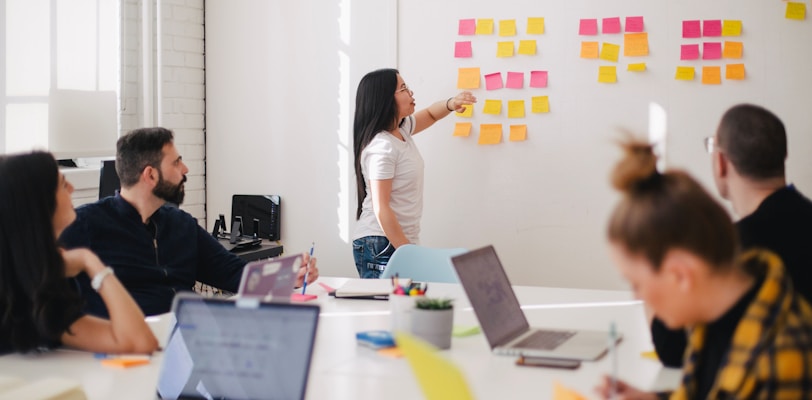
(423, 264)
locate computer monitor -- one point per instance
(265, 208)
(108, 179)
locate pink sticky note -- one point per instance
(634, 24)
(493, 81)
(467, 27)
(588, 27)
(538, 79)
(689, 52)
(711, 50)
(515, 80)
(462, 50)
(691, 29)
(611, 25)
(712, 27)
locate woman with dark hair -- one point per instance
(39, 307)
(750, 333)
(388, 165)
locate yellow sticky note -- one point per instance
(796, 11)
(651, 355)
(635, 44)
(468, 78)
(711, 75)
(462, 129)
(490, 134)
(438, 377)
(124, 362)
(540, 104)
(684, 74)
(607, 74)
(732, 50)
(589, 49)
(504, 49)
(484, 26)
(515, 108)
(527, 47)
(731, 28)
(561, 392)
(636, 67)
(518, 133)
(507, 27)
(535, 26)
(734, 71)
(468, 112)
(492, 107)
(609, 52)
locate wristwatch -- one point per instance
(97, 280)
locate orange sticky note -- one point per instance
(609, 52)
(540, 104)
(637, 67)
(607, 74)
(124, 362)
(685, 74)
(535, 26)
(635, 44)
(492, 107)
(462, 129)
(303, 297)
(490, 134)
(796, 11)
(518, 133)
(468, 112)
(734, 71)
(504, 49)
(711, 75)
(484, 26)
(561, 392)
(527, 47)
(468, 78)
(392, 352)
(589, 49)
(515, 108)
(732, 50)
(731, 28)
(507, 27)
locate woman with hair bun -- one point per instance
(750, 334)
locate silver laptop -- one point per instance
(244, 349)
(503, 321)
(270, 280)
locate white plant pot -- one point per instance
(433, 326)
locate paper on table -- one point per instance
(368, 287)
(561, 392)
(438, 377)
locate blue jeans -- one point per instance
(371, 255)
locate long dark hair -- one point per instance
(375, 111)
(36, 300)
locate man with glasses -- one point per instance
(747, 157)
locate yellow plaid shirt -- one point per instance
(770, 355)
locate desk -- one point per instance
(343, 370)
(266, 249)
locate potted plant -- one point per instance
(433, 321)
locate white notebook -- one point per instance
(368, 288)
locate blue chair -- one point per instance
(423, 264)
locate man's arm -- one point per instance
(217, 266)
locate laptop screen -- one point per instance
(221, 349)
(270, 279)
(491, 295)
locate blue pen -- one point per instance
(307, 268)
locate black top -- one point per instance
(782, 223)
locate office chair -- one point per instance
(423, 264)
(108, 179)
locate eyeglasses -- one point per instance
(710, 144)
(404, 89)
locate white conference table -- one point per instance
(343, 370)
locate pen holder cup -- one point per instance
(434, 326)
(401, 308)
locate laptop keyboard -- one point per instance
(545, 340)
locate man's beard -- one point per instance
(168, 192)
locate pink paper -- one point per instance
(515, 80)
(712, 27)
(634, 24)
(588, 27)
(689, 52)
(711, 50)
(691, 29)
(467, 27)
(538, 79)
(462, 50)
(611, 25)
(493, 81)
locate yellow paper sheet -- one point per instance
(518, 133)
(490, 134)
(527, 47)
(796, 11)
(535, 26)
(635, 44)
(462, 129)
(731, 28)
(484, 26)
(468, 78)
(637, 67)
(504, 49)
(589, 49)
(561, 392)
(609, 51)
(734, 71)
(651, 355)
(467, 113)
(732, 50)
(685, 74)
(507, 27)
(439, 378)
(607, 74)
(515, 108)
(540, 104)
(711, 75)
(492, 107)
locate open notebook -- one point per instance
(378, 289)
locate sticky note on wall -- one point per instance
(733, 50)
(504, 49)
(484, 26)
(685, 74)
(712, 27)
(607, 74)
(540, 104)
(634, 24)
(515, 80)
(689, 52)
(493, 107)
(490, 134)
(796, 11)
(538, 79)
(468, 112)
(493, 81)
(611, 25)
(711, 75)
(589, 49)
(731, 28)
(588, 27)
(734, 71)
(468, 78)
(515, 108)
(527, 47)
(507, 27)
(535, 26)
(635, 44)
(610, 52)
(518, 133)
(691, 29)
(711, 51)
(462, 129)
(463, 50)
(637, 67)
(467, 27)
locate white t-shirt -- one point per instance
(387, 157)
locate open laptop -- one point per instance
(244, 349)
(270, 280)
(503, 321)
